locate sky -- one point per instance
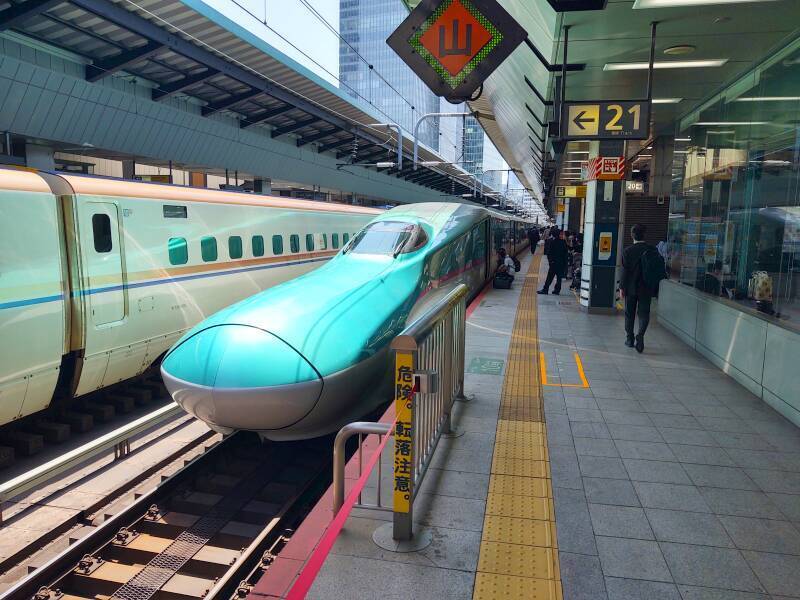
(292, 27)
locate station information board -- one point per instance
(603, 120)
(454, 45)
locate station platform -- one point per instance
(579, 469)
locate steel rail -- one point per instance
(119, 439)
(62, 564)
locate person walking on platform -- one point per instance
(533, 238)
(642, 270)
(557, 255)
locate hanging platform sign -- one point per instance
(454, 45)
(606, 120)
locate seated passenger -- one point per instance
(711, 281)
(506, 264)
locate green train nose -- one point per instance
(241, 377)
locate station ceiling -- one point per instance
(741, 34)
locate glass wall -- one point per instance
(734, 229)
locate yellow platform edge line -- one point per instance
(518, 553)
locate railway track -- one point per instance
(213, 522)
(78, 418)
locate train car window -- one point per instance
(294, 243)
(208, 248)
(178, 251)
(335, 240)
(258, 245)
(309, 241)
(235, 246)
(101, 229)
(345, 238)
(324, 244)
(277, 244)
(174, 212)
(388, 237)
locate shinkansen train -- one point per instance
(99, 277)
(303, 358)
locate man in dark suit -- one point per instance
(634, 290)
(533, 238)
(557, 255)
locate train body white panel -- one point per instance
(113, 272)
(32, 306)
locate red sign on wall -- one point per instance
(607, 168)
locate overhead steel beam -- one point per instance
(267, 114)
(133, 22)
(232, 101)
(107, 66)
(315, 136)
(17, 14)
(279, 131)
(538, 95)
(533, 114)
(168, 90)
(533, 131)
(546, 63)
(336, 144)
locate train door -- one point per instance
(480, 249)
(103, 262)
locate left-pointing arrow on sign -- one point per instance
(579, 120)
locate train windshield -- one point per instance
(388, 238)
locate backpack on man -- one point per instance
(654, 269)
(517, 265)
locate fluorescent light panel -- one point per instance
(769, 99)
(729, 123)
(639, 4)
(666, 64)
(667, 100)
(683, 139)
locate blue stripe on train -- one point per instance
(43, 299)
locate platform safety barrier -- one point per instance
(428, 378)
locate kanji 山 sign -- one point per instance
(454, 45)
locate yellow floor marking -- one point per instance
(543, 371)
(519, 560)
(489, 586)
(518, 556)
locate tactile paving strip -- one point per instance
(519, 554)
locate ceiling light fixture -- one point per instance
(769, 99)
(667, 100)
(666, 64)
(683, 139)
(579, 152)
(720, 132)
(680, 49)
(728, 123)
(640, 4)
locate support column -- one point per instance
(128, 169)
(39, 157)
(661, 166)
(604, 200)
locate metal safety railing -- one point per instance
(118, 439)
(428, 358)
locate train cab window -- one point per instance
(235, 246)
(388, 237)
(309, 242)
(101, 229)
(294, 243)
(258, 245)
(178, 251)
(335, 240)
(208, 248)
